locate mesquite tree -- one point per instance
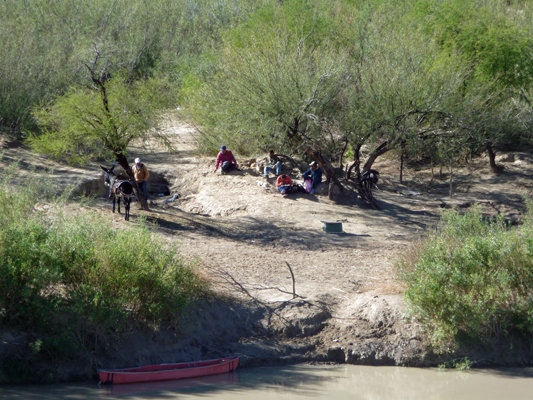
(103, 118)
(275, 90)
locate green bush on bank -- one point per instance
(72, 280)
(473, 280)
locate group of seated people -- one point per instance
(227, 162)
(313, 175)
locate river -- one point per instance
(307, 382)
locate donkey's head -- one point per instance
(109, 175)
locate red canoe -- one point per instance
(163, 372)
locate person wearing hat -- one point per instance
(141, 175)
(315, 174)
(226, 160)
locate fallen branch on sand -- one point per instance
(225, 279)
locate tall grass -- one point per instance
(473, 280)
(71, 280)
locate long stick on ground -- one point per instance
(293, 281)
(225, 278)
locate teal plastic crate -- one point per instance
(332, 226)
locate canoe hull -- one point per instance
(164, 372)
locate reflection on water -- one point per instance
(108, 391)
(307, 382)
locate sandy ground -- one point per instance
(245, 236)
(233, 222)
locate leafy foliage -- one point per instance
(493, 35)
(473, 279)
(74, 281)
(381, 58)
(271, 91)
(45, 44)
(398, 88)
(83, 124)
(394, 70)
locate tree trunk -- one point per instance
(342, 153)
(401, 169)
(432, 176)
(330, 190)
(381, 149)
(365, 191)
(492, 159)
(451, 181)
(143, 201)
(356, 163)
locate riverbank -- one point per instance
(285, 291)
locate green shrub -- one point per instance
(73, 279)
(494, 35)
(473, 280)
(46, 44)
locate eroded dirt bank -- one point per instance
(251, 242)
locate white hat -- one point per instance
(313, 163)
(137, 161)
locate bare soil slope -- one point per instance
(245, 236)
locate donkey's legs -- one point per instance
(118, 200)
(127, 202)
(113, 204)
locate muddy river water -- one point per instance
(308, 382)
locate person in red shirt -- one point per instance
(226, 159)
(284, 184)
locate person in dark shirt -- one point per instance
(315, 174)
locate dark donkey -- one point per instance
(118, 188)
